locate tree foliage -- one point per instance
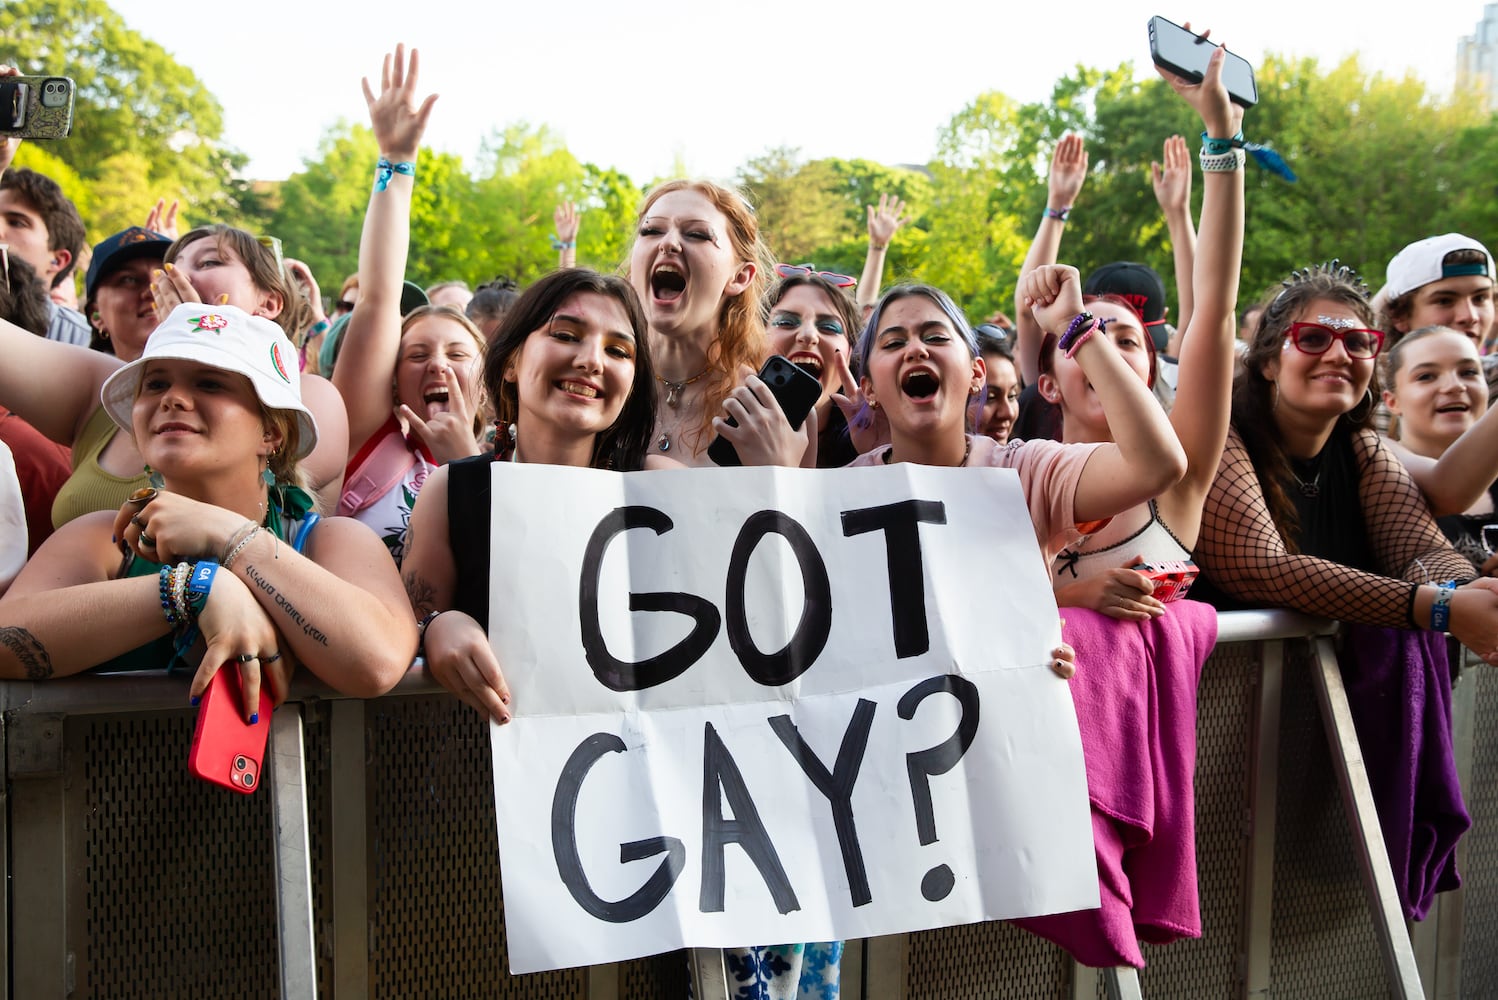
(137, 109)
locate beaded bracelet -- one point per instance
(180, 573)
(1222, 163)
(166, 597)
(878, 246)
(1083, 337)
(1059, 214)
(384, 170)
(1066, 340)
(1440, 610)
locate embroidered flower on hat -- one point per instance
(209, 323)
(279, 363)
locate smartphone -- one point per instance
(1172, 579)
(1185, 54)
(795, 389)
(226, 750)
(36, 107)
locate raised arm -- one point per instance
(1144, 457)
(1068, 172)
(1204, 387)
(884, 222)
(567, 220)
(1171, 180)
(52, 386)
(372, 340)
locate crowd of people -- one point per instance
(327, 466)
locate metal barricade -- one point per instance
(369, 866)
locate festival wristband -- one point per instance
(1059, 214)
(1440, 609)
(384, 170)
(1217, 147)
(199, 584)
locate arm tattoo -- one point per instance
(28, 651)
(420, 592)
(285, 606)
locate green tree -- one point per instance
(132, 98)
(797, 203)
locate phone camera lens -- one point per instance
(240, 763)
(249, 781)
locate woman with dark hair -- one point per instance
(1312, 511)
(1302, 454)
(569, 371)
(998, 404)
(489, 304)
(810, 320)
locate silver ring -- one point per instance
(147, 540)
(247, 657)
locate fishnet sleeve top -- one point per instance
(1241, 550)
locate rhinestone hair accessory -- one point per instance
(1334, 269)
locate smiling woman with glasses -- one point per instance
(1311, 510)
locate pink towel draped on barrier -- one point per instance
(1135, 692)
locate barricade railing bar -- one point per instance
(51, 951)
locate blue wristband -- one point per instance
(1216, 147)
(1440, 610)
(199, 583)
(384, 170)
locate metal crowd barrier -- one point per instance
(369, 865)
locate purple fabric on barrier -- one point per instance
(1399, 689)
(1135, 692)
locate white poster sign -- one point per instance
(756, 706)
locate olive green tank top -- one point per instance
(90, 487)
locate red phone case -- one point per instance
(225, 749)
(1172, 579)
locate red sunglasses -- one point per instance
(832, 277)
(1317, 338)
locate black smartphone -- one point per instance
(795, 389)
(1185, 54)
(36, 107)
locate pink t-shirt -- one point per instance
(1048, 475)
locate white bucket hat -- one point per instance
(221, 337)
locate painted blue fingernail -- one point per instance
(195, 700)
(113, 540)
(254, 717)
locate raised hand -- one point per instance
(763, 435)
(1053, 292)
(163, 219)
(567, 220)
(1172, 180)
(1068, 172)
(397, 118)
(1222, 118)
(886, 220)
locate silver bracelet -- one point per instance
(228, 560)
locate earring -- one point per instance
(1367, 411)
(154, 478)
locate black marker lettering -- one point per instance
(810, 637)
(900, 523)
(720, 778)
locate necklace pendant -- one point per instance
(664, 442)
(673, 395)
(1311, 490)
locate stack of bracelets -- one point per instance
(1083, 326)
(1221, 155)
(184, 594)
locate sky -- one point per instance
(706, 85)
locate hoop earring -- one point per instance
(1367, 412)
